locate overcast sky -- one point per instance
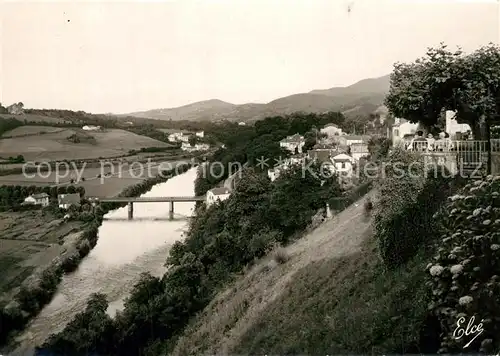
(125, 56)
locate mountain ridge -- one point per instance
(360, 98)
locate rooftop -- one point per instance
(293, 138)
(39, 195)
(342, 158)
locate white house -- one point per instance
(293, 143)
(353, 139)
(178, 136)
(38, 199)
(343, 164)
(217, 194)
(452, 126)
(331, 130)
(187, 147)
(66, 200)
(200, 134)
(241, 123)
(173, 137)
(91, 128)
(400, 129)
(359, 150)
(201, 147)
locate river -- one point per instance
(124, 250)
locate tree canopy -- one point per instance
(448, 80)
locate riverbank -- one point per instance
(39, 291)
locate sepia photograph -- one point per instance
(236, 177)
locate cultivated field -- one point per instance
(55, 145)
(31, 130)
(112, 180)
(28, 240)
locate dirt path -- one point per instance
(233, 312)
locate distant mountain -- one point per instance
(361, 98)
(365, 86)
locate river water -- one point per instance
(124, 250)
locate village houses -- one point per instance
(67, 200)
(275, 172)
(343, 165)
(179, 136)
(331, 130)
(359, 150)
(197, 147)
(200, 134)
(217, 194)
(293, 143)
(346, 141)
(38, 199)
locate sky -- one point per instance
(123, 57)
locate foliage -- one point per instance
(222, 240)
(8, 124)
(306, 191)
(335, 306)
(408, 197)
(32, 297)
(251, 143)
(378, 148)
(14, 160)
(310, 140)
(91, 327)
(464, 274)
(445, 80)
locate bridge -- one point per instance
(131, 200)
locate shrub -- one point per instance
(408, 198)
(464, 275)
(280, 255)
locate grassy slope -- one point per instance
(331, 296)
(28, 240)
(56, 146)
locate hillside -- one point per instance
(361, 98)
(53, 143)
(294, 307)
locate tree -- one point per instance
(378, 147)
(445, 80)
(310, 140)
(192, 140)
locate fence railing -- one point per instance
(453, 146)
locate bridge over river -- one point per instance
(131, 200)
